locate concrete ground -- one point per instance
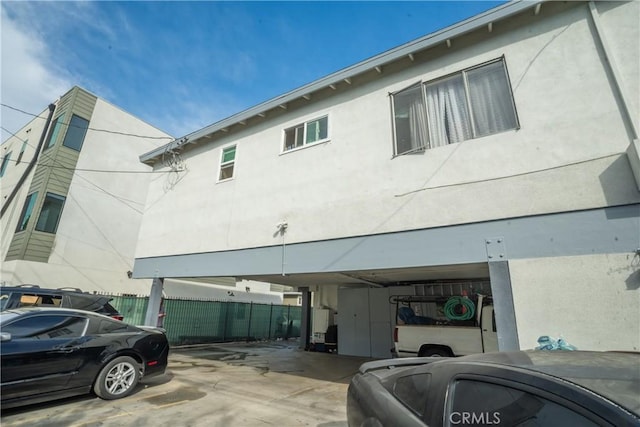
(231, 384)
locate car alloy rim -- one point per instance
(120, 378)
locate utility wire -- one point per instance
(89, 128)
(497, 178)
(21, 140)
(93, 170)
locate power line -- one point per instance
(92, 170)
(89, 128)
(13, 134)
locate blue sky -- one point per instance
(181, 66)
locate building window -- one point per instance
(24, 147)
(27, 210)
(55, 130)
(5, 163)
(50, 213)
(473, 103)
(76, 132)
(306, 133)
(227, 163)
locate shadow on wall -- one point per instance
(618, 183)
(633, 281)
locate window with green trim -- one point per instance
(27, 210)
(227, 163)
(50, 213)
(53, 133)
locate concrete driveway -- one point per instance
(232, 384)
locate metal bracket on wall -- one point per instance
(496, 249)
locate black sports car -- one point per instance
(50, 353)
(527, 388)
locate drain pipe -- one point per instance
(31, 164)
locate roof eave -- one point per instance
(456, 30)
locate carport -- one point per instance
(367, 269)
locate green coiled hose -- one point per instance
(459, 308)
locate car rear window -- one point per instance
(412, 391)
(38, 300)
(114, 327)
(46, 327)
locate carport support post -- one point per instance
(503, 306)
(306, 318)
(155, 298)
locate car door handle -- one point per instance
(65, 350)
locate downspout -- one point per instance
(31, 164)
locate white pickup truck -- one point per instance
(442, 338)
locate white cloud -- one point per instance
(28, 80)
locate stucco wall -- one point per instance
(568, 154)
(591, 301)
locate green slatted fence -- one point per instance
(189, 321)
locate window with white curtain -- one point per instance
(469, 104)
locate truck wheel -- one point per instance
(434, 352)
(117, 379)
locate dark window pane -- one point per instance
(50, 213)
(45, 327)
(481, 403)
(412, 391)
(294, 137)
(5, 163)
(226, 172)
(34, 300)
(112, 327)
(27, 210)
(24, 147)
(76, 132)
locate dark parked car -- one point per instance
(49, 353)
(528, 388)
(35, 296)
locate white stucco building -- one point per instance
(73, 194)
(502, 149)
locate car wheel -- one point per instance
(435, 352)
(118, 378)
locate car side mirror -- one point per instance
(5, 336)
